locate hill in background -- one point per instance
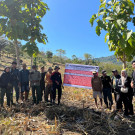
(109, 59)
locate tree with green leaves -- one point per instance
(20, 20)
(61, 53)
(113, 17)
(34, 11)
(49, 55)
(87, 57)
(12, 22)
(3, 43)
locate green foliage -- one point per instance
(87, 57)
(49, 55)
(61, 54)
(3, 43)
(21, 19)
(30, 48)
(113, 17)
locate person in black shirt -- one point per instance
(106, 81)
(57, 83)
(6, 86)
(42, 83)
(15, 75)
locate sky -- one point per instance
(67, 27)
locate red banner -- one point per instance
(79, 75)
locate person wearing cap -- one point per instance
(106, 81)
(48, 82)
(116, 90)
(15, 74)
(57, 84)
(96, 83)
(6, 86)
(35, 78)
(24, 82)
(42, 83)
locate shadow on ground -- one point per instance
(77, 120)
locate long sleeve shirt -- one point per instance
(5, 79)
(56, 77)
(15, 75)
(24, 76)
(35, 78)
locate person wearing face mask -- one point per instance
(35, 78)
(125, 90)
(6, 86)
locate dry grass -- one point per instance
(75, 116)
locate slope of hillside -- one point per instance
(109, 59)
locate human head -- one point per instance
(24, 65)
(124, 73)
(115, 72)
(56, 68)
(34, 67)
(7, 69)
(50, 69)
(95, 73)
(104, 73)
(42, 69)
(133, 64)
(14, 64)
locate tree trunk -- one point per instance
(31, 61)
(17, 53)
(124, 65)
(124, 61)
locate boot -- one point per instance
(22, 97)
(26, 96)
(58, 102)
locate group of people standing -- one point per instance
(42, 84)
(121, 85)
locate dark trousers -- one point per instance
(130, 106)
(125, 100)
(6, 91)
(15, 86)
(42, 90)
(107, 96)
(36, 94)
(118, 101)
(59, 92)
